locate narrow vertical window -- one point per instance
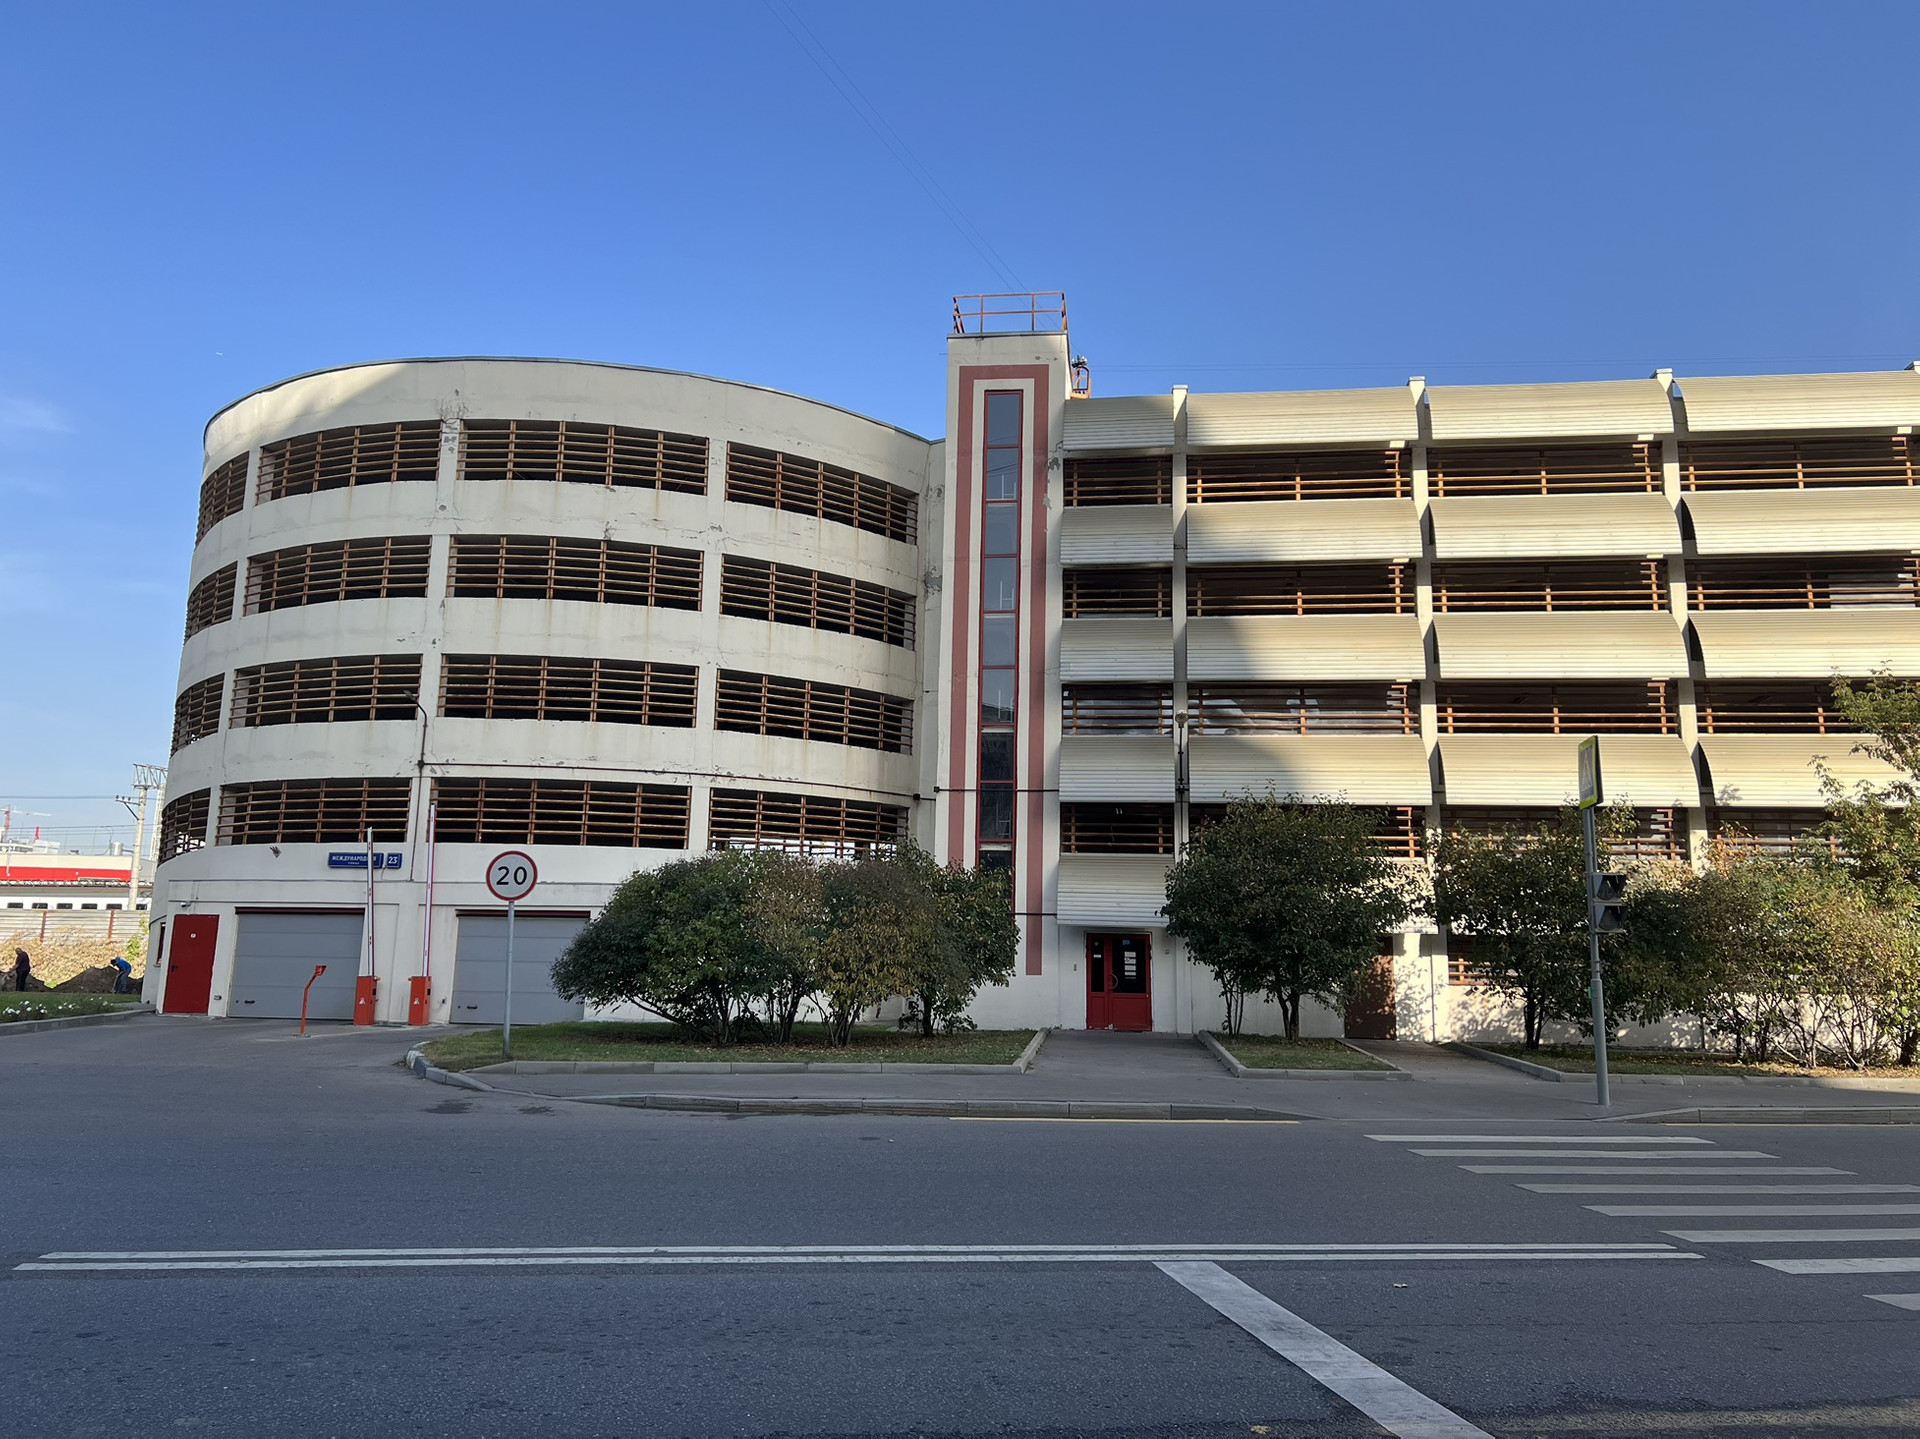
(999, 624)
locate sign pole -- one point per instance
(506, 1029)
(1590, 798)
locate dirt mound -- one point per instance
(62, 955)
(93, 981)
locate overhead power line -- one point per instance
(857, 101)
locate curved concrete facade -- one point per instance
(226, 877)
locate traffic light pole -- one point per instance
(1594, 989)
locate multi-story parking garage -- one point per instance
(610, 615)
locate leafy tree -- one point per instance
(1520, 895)
(1289, 898)
(787, 916)
(874, 926)
(679, 940)
(979, 941)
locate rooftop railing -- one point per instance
(1034, 312)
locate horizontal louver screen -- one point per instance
(357, 455)
(1810, 582)
(372, 569)
(222, 493)
(1650, 708)
(549, 687)
(802, 823)
(813, 487)
(196, 713)
(809, 709)
(1768, 706)
(1774, 831)
(1797, 464)
(789, 595)
(1116, 828)
(536, 567)
(1250, 707)
(183, 824)
(1116, 709)
(578, 453)
(1142, 480)
(1657, 833)
(1132, 590)
(598, 813)
(1550, 470)
(314, 811)
(327, 691)
(1300, 590)
(1323, 475)
(1401, 832)
(211, 602)
(1461, 587)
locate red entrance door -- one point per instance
(1119, 982)
(190, 963)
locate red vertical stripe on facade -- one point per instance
(1029, 886)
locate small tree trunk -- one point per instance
(926, 1014)
(1290, 1011)
(1530, 1020)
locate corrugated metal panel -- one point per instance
(1116, 767)
(1111, 891)
(1772, 522)
(1299, 418)
(480, 969)
(1116, 535)
(1791, 402)
(1302, 530)
(1365, 769)
(1535, 526)
(1118, 649)
(1652, 771)
(1766, 771)
(1630, 644)
(274, 955)
(1305, 647)
(1123, 422)
(1770, 644)
(1525, 412)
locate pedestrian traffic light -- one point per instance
(1606, 901)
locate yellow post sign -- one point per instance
(1590, 772)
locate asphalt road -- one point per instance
(190, 1142)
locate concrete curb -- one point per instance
(1858, 1114)
(1537, 1071)
(939, 1108)
(419, 1064)
(1771, 1081)
(670, 1066)
(1244, 1071)
(72, 1021)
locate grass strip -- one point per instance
(45, 1004)
(668, 1043)
(1578, 1059)
(1265, 1051)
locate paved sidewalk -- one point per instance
(1078, 1066)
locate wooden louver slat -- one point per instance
(211, 602)
(1305, 475)
(789, 595)
(1088, 828)
(314, 811)
(326, 691)
(1546, 470)
(1096, 709)
(196, 713)
(222, 493)
(812, 710)
(1522, 707)
(552, 687)
(577, 452)
(1805, 582)
(1799, 462)
(343, 458)
(598, 813)
(1116, 590)
(1386, 589)
(1768, 706)
(1126, 480)
(802, 823)
(780, 481)
(389, 568)
(183, 824)
(550, 567)
(1461, 587)
(1255, 707)
(1401, 832)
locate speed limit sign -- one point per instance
(511, 875)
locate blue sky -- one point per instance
(196, 200)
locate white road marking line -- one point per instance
(1898, 1301)
(829, 1250)
(1793, 1236)
(1391, 1403)
(1090, 1119)
(1537, 1139)
(1721, 1188)
(1646, 1169)
(1592, 1154)
(692, 1260)
(1777, 1211)
(1843, 1266)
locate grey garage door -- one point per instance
(480, 968)
(274, 953)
